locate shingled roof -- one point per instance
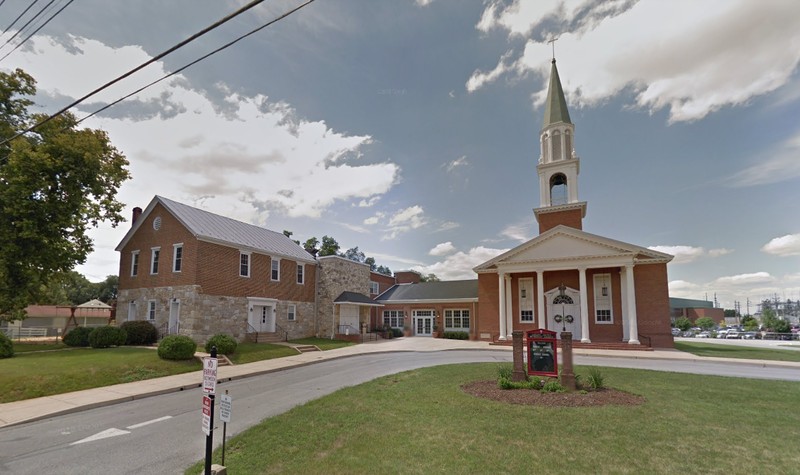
(452, 290)
(210, 227)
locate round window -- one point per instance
(157, 223)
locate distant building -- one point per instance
(694, 309)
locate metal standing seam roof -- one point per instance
(555, 109)
(356, 299)
(208, 226)
(431, 291)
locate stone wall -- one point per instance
(337, 275)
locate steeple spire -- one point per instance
(555, 109)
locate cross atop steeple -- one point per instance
(553, 42)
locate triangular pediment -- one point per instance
(563, 243)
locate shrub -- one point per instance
(456, 335)
(553, 386)
(225, 344)
(106, 337)
(176, 347)
(505, 370)
(6, 346)
(397, 333)
(78, 336)
(140, 332)
(595, 380)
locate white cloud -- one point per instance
(374, 219)
(684, 254)
(775, 165)
(442, 249)
(423, 3)
(448, 225)
(788, 245)
(459, 265)
(255, 151)
(459, 162)
(519, 232)
(405, 220)
(368, 203)
(745, 279)
(691, 61)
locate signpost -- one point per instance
(225, 406)
(209, 387)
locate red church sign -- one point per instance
(542, 353)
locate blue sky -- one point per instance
(411, 128)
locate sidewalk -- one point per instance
(17, 412)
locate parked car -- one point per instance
(733, 335)
(749, 336)
(722, 333)
(703, 335)
(676, 332)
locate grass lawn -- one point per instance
(733, 351)
(35, 374)
(421, 422)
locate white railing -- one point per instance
(25, 332)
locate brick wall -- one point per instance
(572, 218)
(488, 320)
(652, 304)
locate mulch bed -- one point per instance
(528, 397)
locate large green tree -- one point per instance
(55, 183)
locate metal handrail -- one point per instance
(343, 330)
(285, 333)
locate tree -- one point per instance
(288, 234)
(55, 183)
(749, 323)
(683, 323)
(705, 323)
(384, 270)
(329, 247)
(355, 255)
(371, 262)
(429, 278)
(729, 313)
(107, 289)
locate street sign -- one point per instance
(206, 415)
(225, 404)
(209, 375)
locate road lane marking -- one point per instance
(147, 423)
(102, 435)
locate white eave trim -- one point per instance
(429, 301)
(256, 250)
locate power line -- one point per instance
(201, 58)
(26, 24)
(37, 29)
(20, 16)
(183, 43)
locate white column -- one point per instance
(509, 308)
(624, 304)
(584, 307)
(631, 291)
(501, 293)
(540, 298)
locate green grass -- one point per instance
(28, 347)
(250, 352)
(323, 344)
(734, 351)
(35, 374)
(421, 422)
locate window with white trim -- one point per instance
(131, 311)
(151, 310)
(244, 264)
(134, 263)
(300, 273)
(177, 257)
(602, 299)
(526, 300)
(154, 253)
(374, 288)
(291, 313)
(393, 318)
(275, 273)
(456, 320)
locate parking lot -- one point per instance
(774, 344)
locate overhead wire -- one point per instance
(152, 60)
(37, 29)
(201, 58)
(26, 24)
(20, 16)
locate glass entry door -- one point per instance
(423, 322)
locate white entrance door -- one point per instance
(423, 322)
(569, 304)
(174, 317)
(262, 318)
(348, 319)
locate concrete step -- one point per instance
(306, 348)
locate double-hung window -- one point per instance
(602, 299)
(291, 314)
(244, 264)
(154, 254)
(151, 310)
(134, 263)
(177, 257)
(275, 273)
(300, 273)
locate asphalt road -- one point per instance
(163, 434)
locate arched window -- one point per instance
(558, 189)
(565, 299)
(568, 144)
(545, 148)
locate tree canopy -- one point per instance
(330, 247)
(55, 183)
